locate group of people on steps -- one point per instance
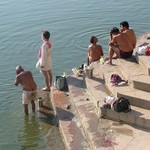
(122, 42)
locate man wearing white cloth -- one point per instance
(45, 62)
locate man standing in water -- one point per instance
(25, 79)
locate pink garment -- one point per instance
(40, 50)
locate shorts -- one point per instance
(28, 96)
(126, 54)
(122, 53)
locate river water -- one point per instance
(71, 23)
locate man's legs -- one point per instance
(46, 78)
(50, 77)
(33, 105)
(112, 50)
(25, 101)
(26, 109)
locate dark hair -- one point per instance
(92, 39)
(124, 24)
(46, 34)
(114, 30)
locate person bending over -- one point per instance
(25, 79)
(94, 51)
(119, 44)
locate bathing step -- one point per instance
(94, 129)
(67, 121)
(136, 97)
(102, 133)
(96, 88)
(137, 117)
(143, 60)
(132, 71)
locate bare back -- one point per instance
(122, 42)
(25, 79)
(95, 52)
(131, 36)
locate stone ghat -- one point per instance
(85, 126)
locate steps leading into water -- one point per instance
(101, 128)
(132, 71)
(85, 110)
(69, 125)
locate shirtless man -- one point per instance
(25, 79)
(119, 44)
(94, 51)
(124, 27)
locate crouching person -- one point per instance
(25, 79)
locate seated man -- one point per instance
(124, 27)
(119, 44)
(94, 51)
(25, 79)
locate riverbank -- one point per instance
(83, 125)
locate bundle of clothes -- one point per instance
(121, 104)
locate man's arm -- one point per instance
(111, 36)
(44, 55)
(16, 81)
(111, 42)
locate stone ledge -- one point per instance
(71, 133)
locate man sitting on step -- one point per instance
(119, 44)
(129, 32)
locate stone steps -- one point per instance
(68, 123)
(85, 110)
(137, 117)
(101, 134)
(132, 71)
(136, 97)
(143, 60)
(87, 126)
(97, 90)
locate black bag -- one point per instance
(61, 83)
(122, 105)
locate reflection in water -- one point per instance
(40, 132)
(51, 134)
(30, 134)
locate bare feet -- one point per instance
(45, 89)
(109, 62)
(115, 57)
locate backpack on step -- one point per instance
(61, 83)
(122, 105)
(115, 79)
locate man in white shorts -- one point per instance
(25, 79)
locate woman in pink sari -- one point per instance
(44, 63)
